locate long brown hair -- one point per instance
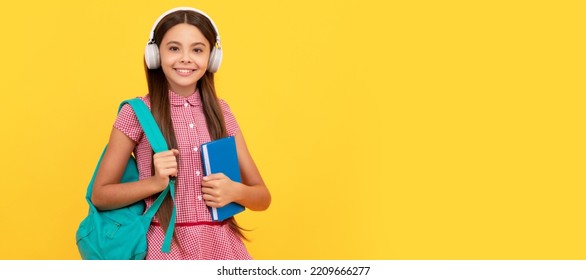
(160, 105)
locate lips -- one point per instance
(184, 71)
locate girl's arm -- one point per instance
(108, 193)
(252, 193)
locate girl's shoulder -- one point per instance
(232, 126)
(126, 113)
(146, 99)
(128, 123)
(226, 110)
(223, 104)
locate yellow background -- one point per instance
(384, 129)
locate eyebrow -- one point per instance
(194, 44)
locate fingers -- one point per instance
(211, 197)
(218, 190)
(215, 204)
(166, 163)
(215, 181)
(215, 176)
(214, 201)
(210, 190)
(172, 152)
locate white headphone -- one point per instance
(151, 52)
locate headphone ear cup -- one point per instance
(151, 56)
(215, 60)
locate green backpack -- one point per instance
(120, 234)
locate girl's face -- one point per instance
(185, 53)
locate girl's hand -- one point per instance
(165, 166)
(218, 190)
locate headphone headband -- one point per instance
(152, 34)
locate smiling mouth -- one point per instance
(184, 72)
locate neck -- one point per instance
(183, 91)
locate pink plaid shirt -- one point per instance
(199, 236)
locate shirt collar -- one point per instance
(177, 100)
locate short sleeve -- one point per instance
(231, 124)
(127, 122)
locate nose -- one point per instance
(185, 58)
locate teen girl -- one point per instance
(182, 55)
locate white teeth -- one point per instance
(184, 70)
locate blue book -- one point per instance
(220, 156)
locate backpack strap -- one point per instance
(158, 143)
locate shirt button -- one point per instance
(195, 149)
(190, 125)
(186, 104)
(199, 197)
(197, 173)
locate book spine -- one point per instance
(207, 167)
(206, 159)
